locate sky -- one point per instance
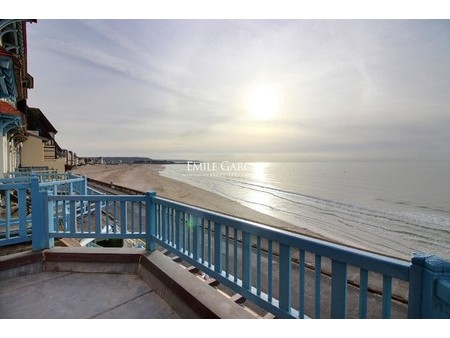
(346, 89)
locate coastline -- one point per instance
(146, 177)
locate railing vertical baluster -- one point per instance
(57, 212)
(269, 270)
(188, 233)
(64, 216)
(363, 284)
(132, 212)
(387, 294)
(123, 218)
(22, 199)
(8, 213)
(209, 241)
(317, 282)
(72, 217)
(179, 220)
(167, 225)
(98, 217)
(202, 242)
(163, 223)
(285, 277)
(246, 260)
(82, 216)
(157, 220)
(114, 215)
(183, 229)
(338, 289)
(50, 225)
(89, 216)
(59, 216)
(195, 239)
(172, 233)
(140, 217)
(258, 265)
(217, 247)
(235, 256)
(301, 294)
(227, 251)
(107, 208)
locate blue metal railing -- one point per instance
(96, 216)
(16, 193)
(15, 222)
(273, 268)
(259, 261)
(289, 275)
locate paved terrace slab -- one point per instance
(56, 295)
(111, 283)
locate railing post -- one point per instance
(150, 220)
(85, 186)
(338, 290)
(428, 295)
(40, 217)
(37, 216)
(415, 285)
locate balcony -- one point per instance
(255, 270)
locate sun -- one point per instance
(263, 102)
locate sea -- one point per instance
(395, 208)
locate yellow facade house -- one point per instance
(40, 148)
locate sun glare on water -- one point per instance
(263, 102)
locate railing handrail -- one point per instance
(61, 182)
(15, 185)
(96, 198)
(8, 180)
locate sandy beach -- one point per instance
(145, 177)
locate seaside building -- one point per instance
(27, 136)
(14, 84)
(40, 148)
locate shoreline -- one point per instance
(146, 177)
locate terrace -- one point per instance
(198, 263)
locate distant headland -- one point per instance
(131, 160)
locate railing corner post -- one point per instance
(38, 220)
(150, 220)
(426, 297)
(85, 185)
(415, 285)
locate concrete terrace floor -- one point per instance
(54, 295)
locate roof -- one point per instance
(7, 109)
(36, 120)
